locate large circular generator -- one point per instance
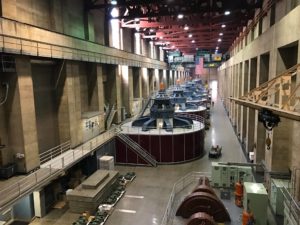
(166, 137)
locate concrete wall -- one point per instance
(45, 106)
(61, 16)
(127, 40)
(6, 156)
(264, 57)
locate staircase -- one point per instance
(146, 105)
(139, 150)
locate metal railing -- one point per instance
(196, 126)
(181, 184)
(146, 104)
(61, 157)
(137, 149)
(291, 206)
(54, 152)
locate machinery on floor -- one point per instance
(203, 206)
(162, 136)
(215, 152)
(162, 115)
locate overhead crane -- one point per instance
(280, 95)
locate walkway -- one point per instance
(146, 197)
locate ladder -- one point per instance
(139, 150)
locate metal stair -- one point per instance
(139, 150)
(146, 105)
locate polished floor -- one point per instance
(147, 196)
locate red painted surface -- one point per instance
(164, 148)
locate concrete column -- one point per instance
(251, 112)
(245, 109)
(171, 77)
(156, 79)
(118, 94)
(39, 203)
(63, 107)
(166, 78)
(22, 121)
(99, 72)
(127, 87)
(241, 93)
(257, 152)
(140, 80)
(231, 93)
(74, 101)
(145, 83)
(278, 158)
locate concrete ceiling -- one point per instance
(158, 20)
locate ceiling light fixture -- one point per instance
(226, 13)
(217, 47)
(114, 13)
(223, 26)
(221, 34)
(180, 16)
(151, 30)
(173, 46)
(161, 37)
(193, 41)
(219, 40)
(190, 35)
(186, 27)
(113, 2)
(136, 19)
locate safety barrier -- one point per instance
(181, 184)
(56, 160)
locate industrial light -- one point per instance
(114, 12)
(173, 46)
(226, 13)
(190, 35)
(167, 42)
(180, 16)
(186, 27)
(193, 41)
(217, 47)
(136, 19)
(219, 40)
(161, 37)
(113, 2)
(221, 34)
(223, 26)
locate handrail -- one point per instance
(137, 148)
(50, 169)
(292, 206)
(55, 151)
(181, 184)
